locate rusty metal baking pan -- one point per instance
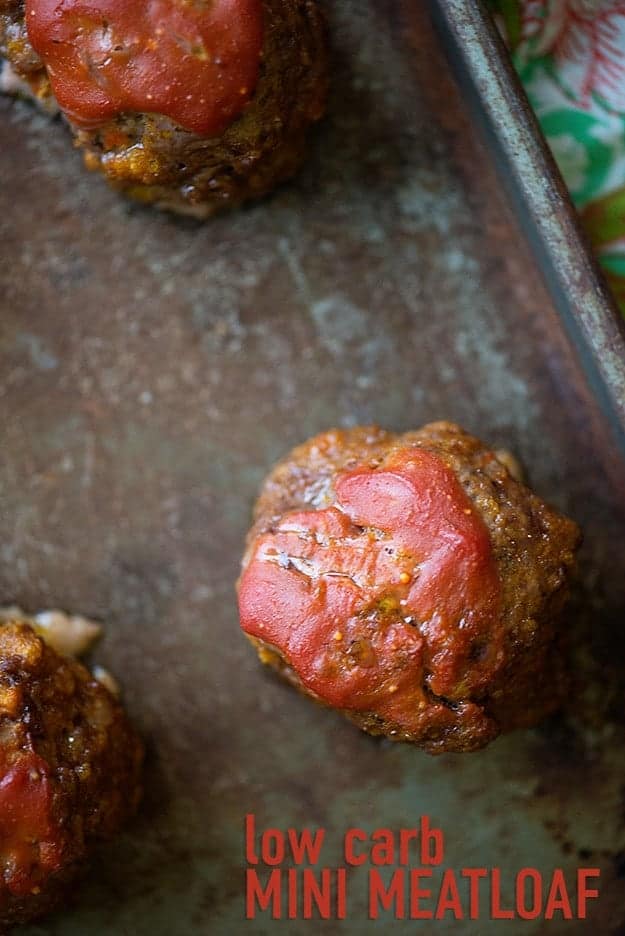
(152, 369)
(540, 198)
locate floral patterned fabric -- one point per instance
(570, 55)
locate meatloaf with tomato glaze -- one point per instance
(411, 582)
(242, 152)
(70, 767)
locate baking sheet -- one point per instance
(153, 370)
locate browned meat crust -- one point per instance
(51, 707)
(533, 547)
(149, 158)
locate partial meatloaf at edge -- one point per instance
(150, 158)
(70, 765)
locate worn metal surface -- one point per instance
(152, 371)
(586, 305)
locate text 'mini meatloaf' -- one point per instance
(70, 767)
(411, 582)
(191, 106)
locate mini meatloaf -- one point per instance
(69, 771)
(192, 107)
(411, 582)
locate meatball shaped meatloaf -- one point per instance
(191, 106)
(69, 771)
(411, 582)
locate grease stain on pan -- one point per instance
(40, 355)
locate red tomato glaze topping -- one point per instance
(195, 61)
(385, 600)
(30, 845)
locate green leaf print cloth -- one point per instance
(570, 55)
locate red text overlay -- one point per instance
(407, 879)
